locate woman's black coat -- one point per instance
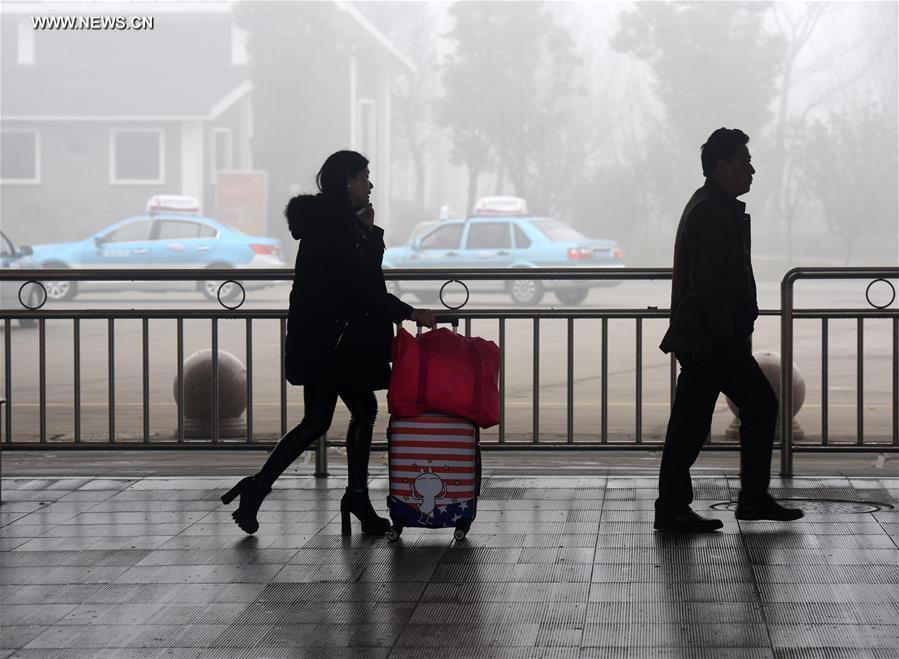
(340, 322)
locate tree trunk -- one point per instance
(473, 175)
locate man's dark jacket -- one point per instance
(713, 294)
(340, 322)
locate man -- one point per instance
(713, 311)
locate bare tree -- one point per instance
(797, 30)
(412, 26)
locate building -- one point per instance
(94, 122)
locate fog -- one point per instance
(592, 112)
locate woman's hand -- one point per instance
(366, 215)
(424, 317)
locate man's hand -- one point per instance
(424, 317)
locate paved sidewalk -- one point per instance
(554, 566)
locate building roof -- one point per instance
(356, 20)
(116, 91)
(152, 91)
(371, 32)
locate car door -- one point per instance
(179, 243)
(488, 244)
(126, 246)
(437, 249)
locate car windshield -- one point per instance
(6, 248)
(555, 230)
(420, 229)
(444, 237)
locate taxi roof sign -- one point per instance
(171, 203)
(500, 206)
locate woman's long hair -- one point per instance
(331, 178)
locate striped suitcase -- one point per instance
(435, 472)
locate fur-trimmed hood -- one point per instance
(307, 213)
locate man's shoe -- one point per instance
(685, 521)
(766, 508)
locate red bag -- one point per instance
(441, 371)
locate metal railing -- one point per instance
(500, 315)
(789, 314)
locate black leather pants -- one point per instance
(319, 403)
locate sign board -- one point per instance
(242, 201)
(500, 206)
(163, 203)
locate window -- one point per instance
(489, 235)
(445, 237)
(135, 231)
(177, 230)
(20, 156)
(555, 230)
(521, 240)
(207, 231)
(137, 156)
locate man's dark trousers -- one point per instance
(733, 371)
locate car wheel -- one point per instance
(526, 291)
(572, 296)
(210, 290)
(59, 291)
(34, 299)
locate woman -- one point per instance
(339, 331)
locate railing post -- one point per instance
(786, 376)
(282, 385)
(895, 381)
(145, 375)
(111, 367)
(321, 457)
(860, 383)
(638, 384)
(76, 368)
(502, 380)
(824, 380)
(536, 410)
(604, 395)
(7, 376)
(42, 360)
(180, 375)
(249, 339)
(570, 381)
(215, 381)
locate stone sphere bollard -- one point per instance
(769, 362)
(232, 377)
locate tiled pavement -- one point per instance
(553, 567)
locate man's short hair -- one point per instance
(723, 144)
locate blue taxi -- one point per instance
(501, 233)
(171, 234)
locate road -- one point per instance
(519, 364)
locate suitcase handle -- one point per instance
(442, 318)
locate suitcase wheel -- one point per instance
(393, 533)
(459, 534)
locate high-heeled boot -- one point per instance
(359, 505)
(251, 492)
